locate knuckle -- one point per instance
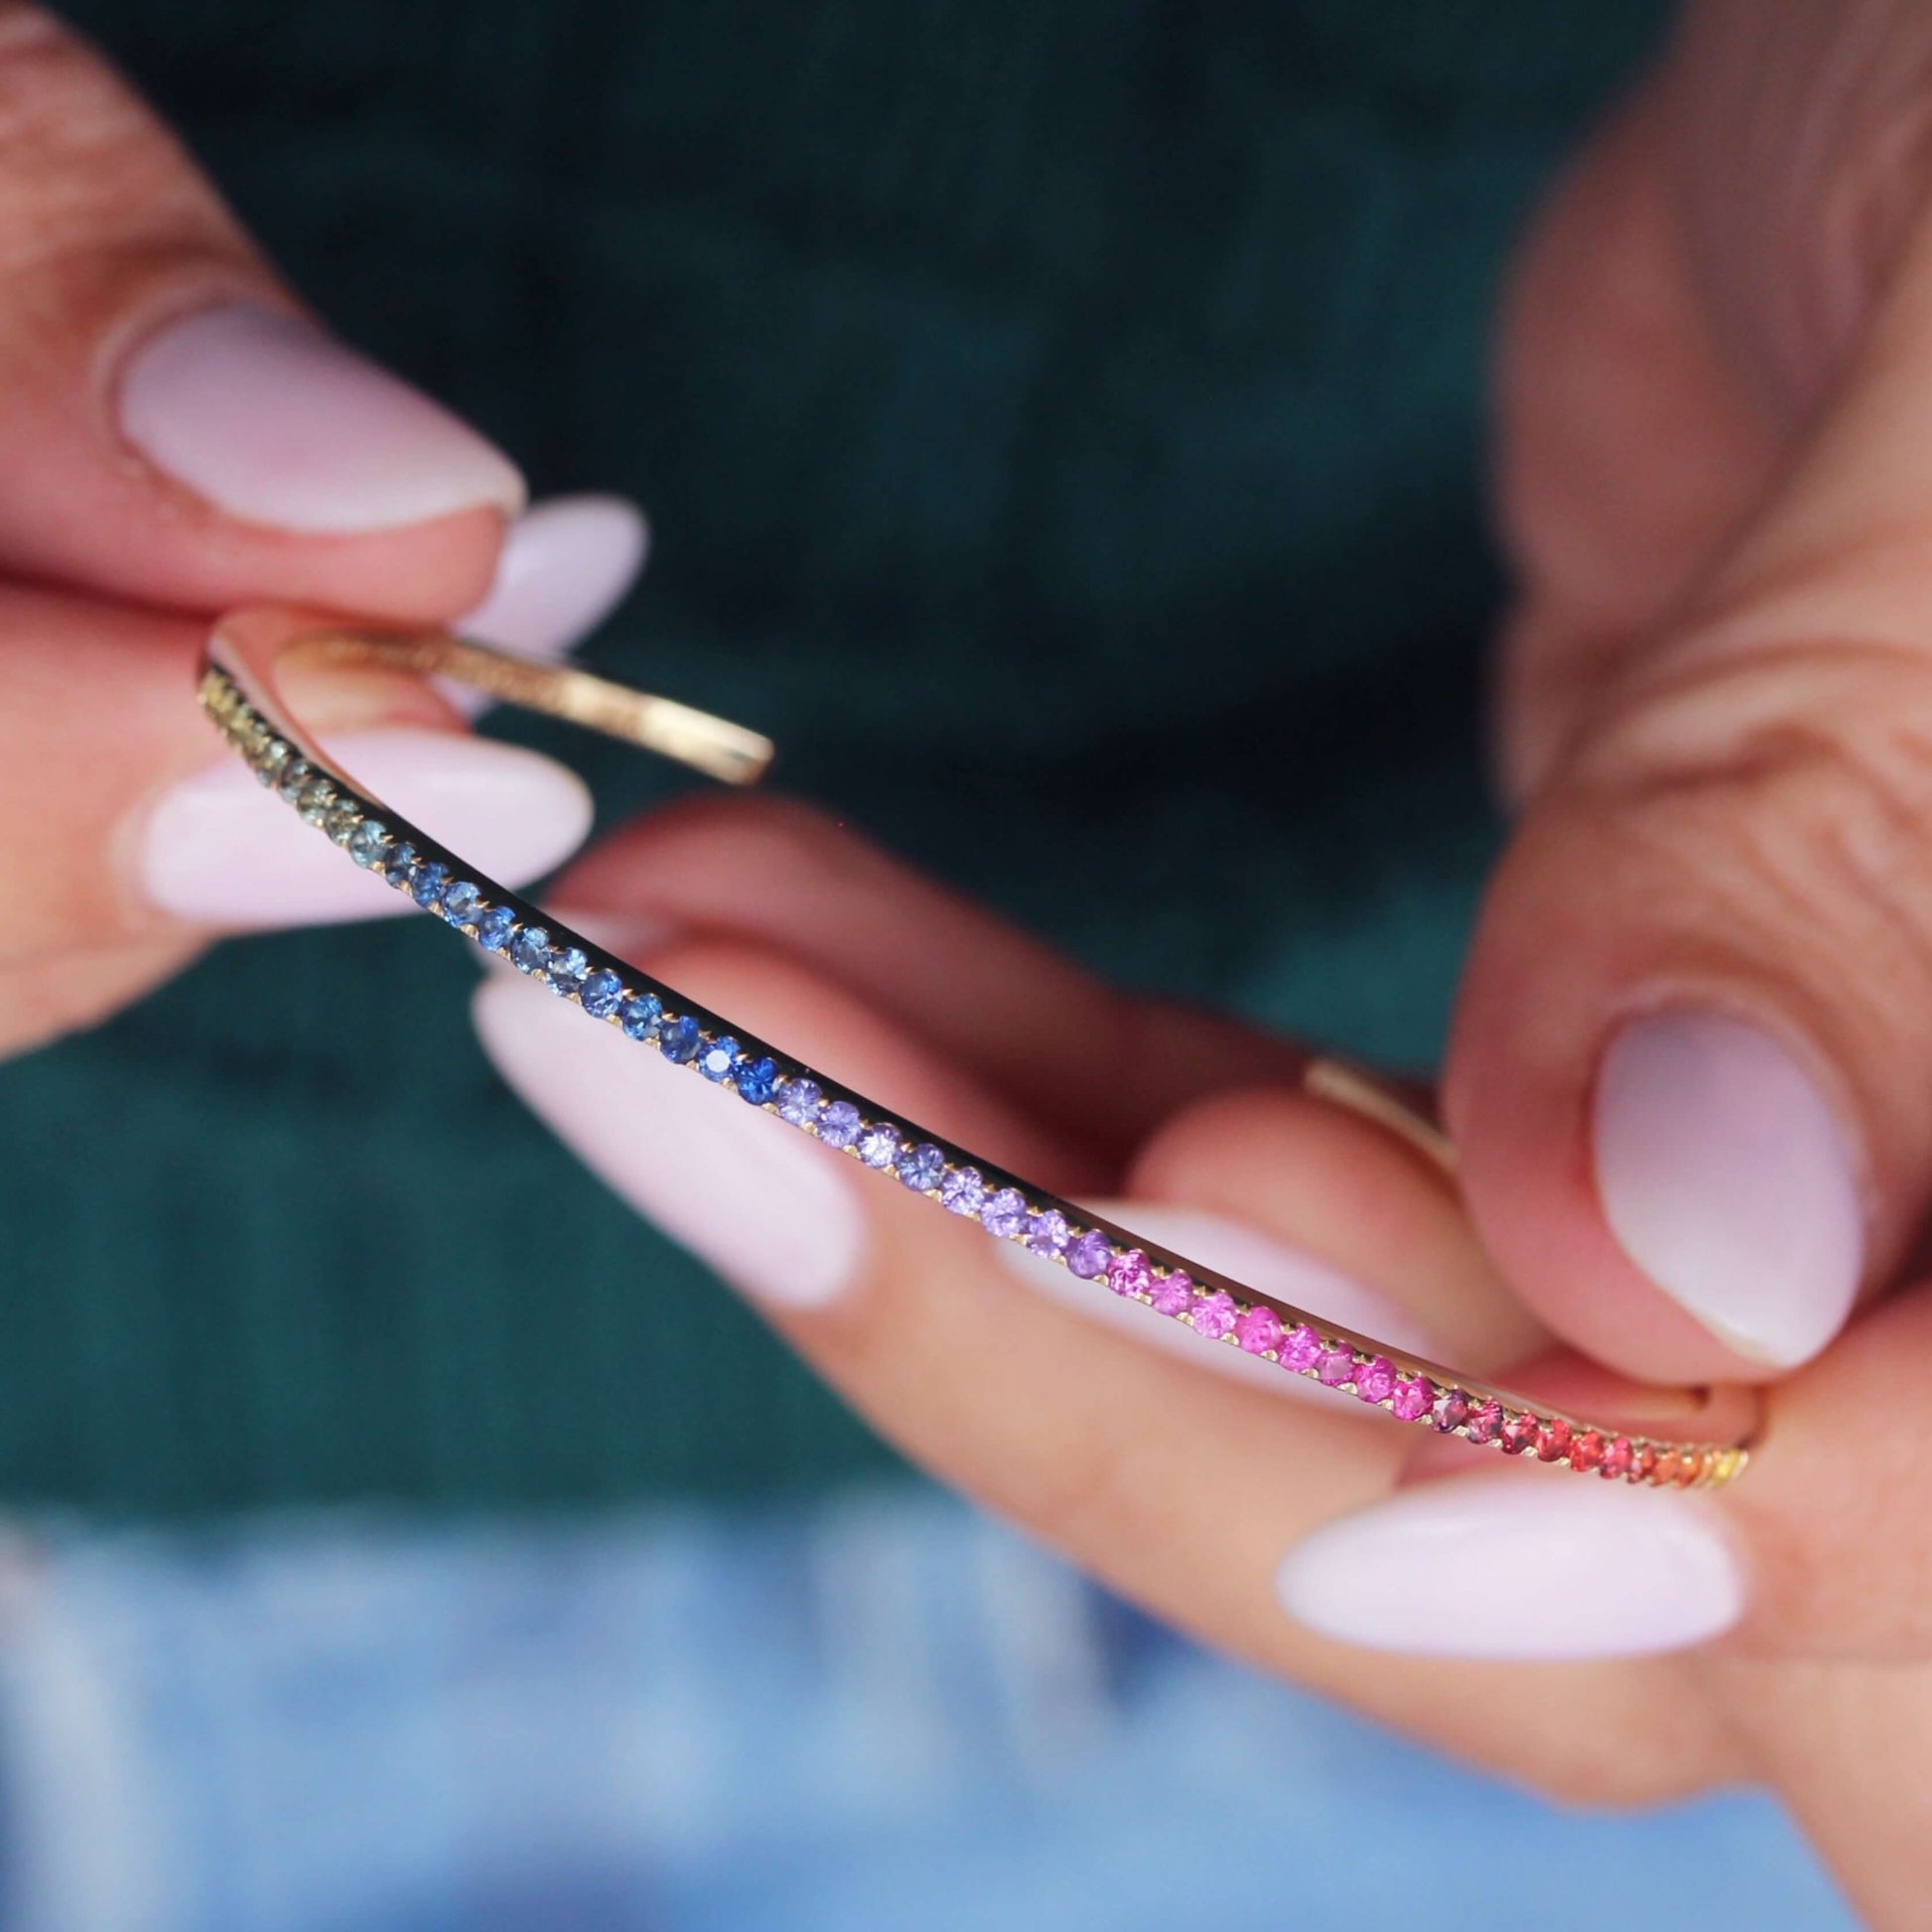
(1796, 786)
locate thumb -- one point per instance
(1692, 1067)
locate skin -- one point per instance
(1714, 476)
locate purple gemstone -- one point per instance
(1259, 1330)
(878, 1144)
(1004, 1214)
(1450, 1411)
(1336, 1368)
(1215, 1314)
(1375, 1380)
(799, 1101)
(1046, 1233)
(1089, 1255)
(921, 1167)
(1129, 1274)
(1412, 1395)
(838, 1124)
(962, 1192)
(1301, 1348)
(1173, 1293)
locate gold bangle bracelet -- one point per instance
(239, 691)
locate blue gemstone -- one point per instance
(838, 1124)
(530, 949)
(399, 864)
(493, 928)
(365, 843)
(426, 883)
(878, 1144)
(601, 992)
(294, 775)
(758, 1081)
(682, 1038)
(462, 902)
(799, 1101)
(716, 1061)
(921, 1167)
(639, 1017)
(567, 969)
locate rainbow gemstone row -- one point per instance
(649, 1014)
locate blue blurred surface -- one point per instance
(882, 1711)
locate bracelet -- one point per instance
(237, 688)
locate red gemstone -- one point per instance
(1617, 1456)
(1586, 1451)
(1520, 1431)
(1412, 1395)
(1485, 1422)
(1375, 1380)
(1451, 1411)
(1552, 1444)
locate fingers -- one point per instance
(1067, 1049)
(1172, 1482)
(1687, 1076)
(172, 427)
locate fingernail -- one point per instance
(1727, 1178)
(219, 850)
(269, 418)
(1244, 1255)
(565, 566)
(1523, 1566)
(769, 1211)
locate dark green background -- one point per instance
(1060, 424)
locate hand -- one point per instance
(1688, 1075)
(175, 437)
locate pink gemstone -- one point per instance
(1336, 1368)
(1586, 1451)
(1215, 1314)
(1301, 1348)
(1617, 1457)
(1552, 1444)
(1129, 1274)
(1259, 1330)
(1173, 1295)
(1412, 1395)
(1375, 1380)
(1520, 1431)
(1451, 1411)
(1485, 1422)
(1643, 1463)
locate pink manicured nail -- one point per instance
(222, 850)
(565, 566)
(1518, 1566)
(267, 418)
(750, 1196)
(1249, 1257)
(1728, 1180)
